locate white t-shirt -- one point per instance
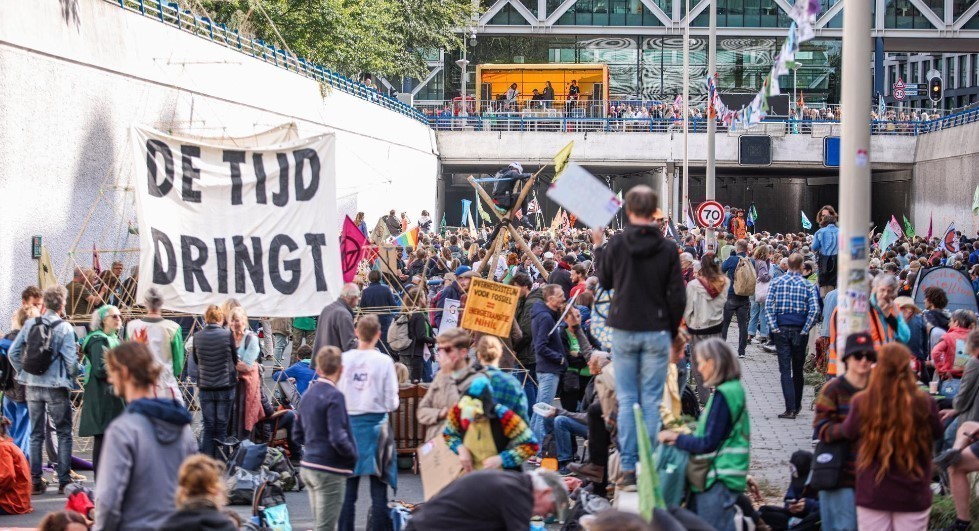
(369, 383)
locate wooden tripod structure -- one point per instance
(497, 246)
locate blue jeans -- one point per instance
(640, 360)
(50, 402)
(757, 323)
(216, 414)
(20, 424)
(716, 506)
(529, 385)
(790, 345)
(564, 429)
(838, 509)
(379, 505)
(279, 343)
(547, 390)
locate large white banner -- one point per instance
(258, 224)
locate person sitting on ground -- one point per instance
(800, 504)
(299, 373)
(147, 443)
(200, 497)
(15, 475)
(465, 501)
(485, 434)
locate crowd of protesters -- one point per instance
(607, 321)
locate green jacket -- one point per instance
(732, 458)
(100, 405)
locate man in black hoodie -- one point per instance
(644, 270)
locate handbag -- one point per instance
(698, 466)
(827, 465)
(761, 291)
(671, 464)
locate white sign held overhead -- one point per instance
(585, 196)
(258, 224)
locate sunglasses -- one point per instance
(869, 356)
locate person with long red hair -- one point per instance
(894, 425)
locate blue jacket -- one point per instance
(548, 348)
(379, 296)
(826, 240)
(301, 372)
(62, 372)
(323, 426)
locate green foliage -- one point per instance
(384, 37)
(943, 511)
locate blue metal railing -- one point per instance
(170, 13)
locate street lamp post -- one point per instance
(463, 63)
(795, 84)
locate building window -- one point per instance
(949, 72)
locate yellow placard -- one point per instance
(490, 307)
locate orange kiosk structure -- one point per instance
(495, 80)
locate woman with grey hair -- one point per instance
(722, 438)
(164, 338)
(100, 405)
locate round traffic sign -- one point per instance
(710, 214)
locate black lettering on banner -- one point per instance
(156, 188)
(160, 275)
(194, 267)
(317, 242)
(235, 159)
(281, 197)
(294, 265)
(259, 165)
(221, 255)
(190, 173)
(303, 192)
(253, 265)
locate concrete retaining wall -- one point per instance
(75, 76)
(946, 173)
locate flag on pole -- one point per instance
(806, 224)
(887, 237)
(483, 214)
(533, 207)
(518, 214)
(352, 247)
(975, 201)
(465, 212)
(896, 227)
(561, 160)
(556, 223)
(650, 492)
(881, 109)
(949, 242)
(443, 224)
(45, 273)
(472, 226)
(571, 221)
(753, 215)
(408, 239)
(96, 263)
(565, 222)
(688, 217)
(930, 222)
(677, 103)
(908, 228)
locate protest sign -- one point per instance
(255, 223)
(450, 314)
(583, 195)
(955, 283)
(439, 466)
(490, 307)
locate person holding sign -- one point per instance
(643, 268)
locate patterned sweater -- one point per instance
(516, 443)
(832, 408)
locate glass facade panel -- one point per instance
(610, 13)
(963, 72)
(901, 14)
(434, 89)
(508, 16)
(960, 6)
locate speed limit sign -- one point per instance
(710, 214)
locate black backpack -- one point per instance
(7, 371)
(39, 351)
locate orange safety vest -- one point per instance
(880, 333)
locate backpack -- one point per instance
(745, 278)
(39, 352)
(456, 252)
(7, 371)
(398, 337)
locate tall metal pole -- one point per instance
(686, 113)
(854, 298)
(711, 122)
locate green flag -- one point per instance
(975, 201)
(443, 224)
(647, 480)
(908, 228)
(806, 224)
(561, 160)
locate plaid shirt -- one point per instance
(791, 293)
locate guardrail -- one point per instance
(170, 13)
(773, 126)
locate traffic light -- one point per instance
(935, 89)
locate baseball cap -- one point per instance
(859, 342)
(462, 269)
(801, 463)
(562, 500)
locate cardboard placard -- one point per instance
(439, 466)
(490, 307)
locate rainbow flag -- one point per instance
(408, 239)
